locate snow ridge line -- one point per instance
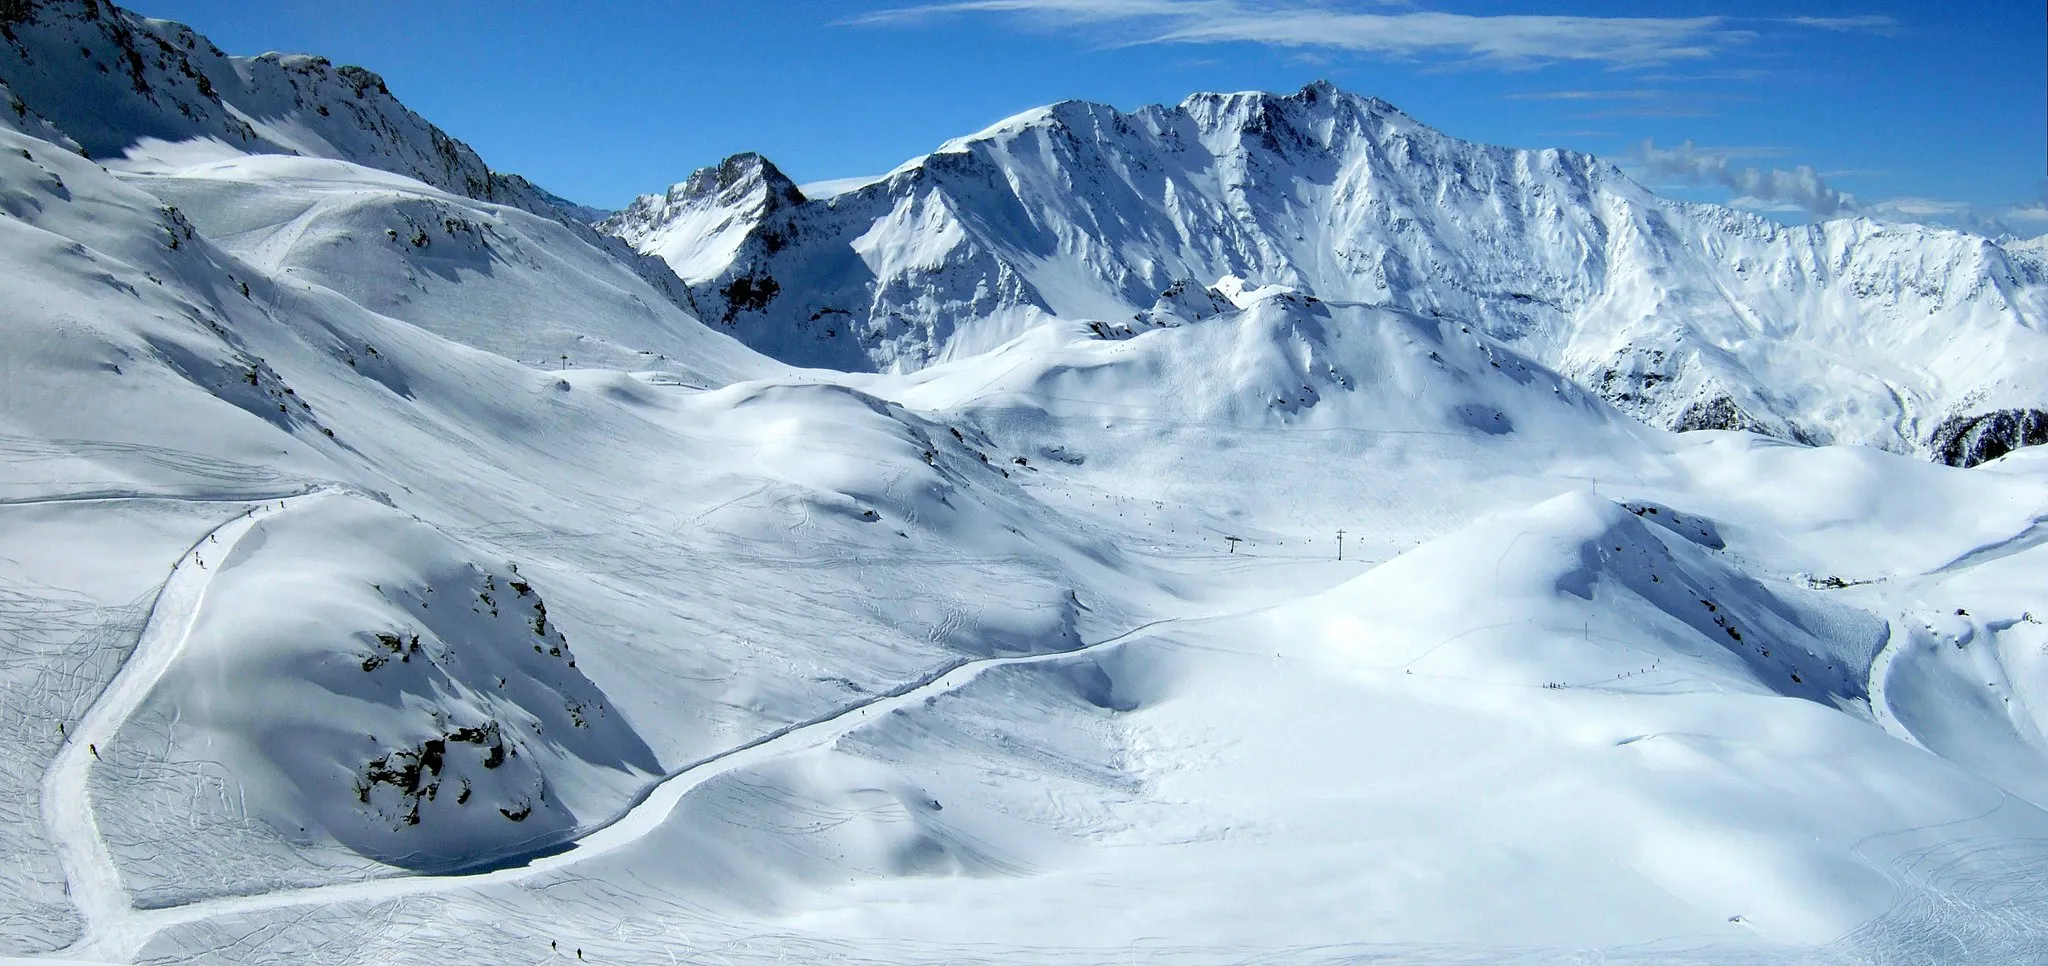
(93, 880)
(141, 496)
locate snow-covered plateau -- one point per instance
(1260, 530)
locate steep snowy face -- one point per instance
(499, 279)
(152, 98)
(155, 93)
(703, 224)
(1688, 316)
(875, 278)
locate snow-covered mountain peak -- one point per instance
(1320, 114)
(1685, 315)
(741, 204)
(142, 92)
(743, 189)
(743, 178)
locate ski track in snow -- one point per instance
(94, 879)
(1897, 640)
(123, 496)
(2033, 536)
(115, 930)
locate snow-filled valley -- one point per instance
(1157, 553)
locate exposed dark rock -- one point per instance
(749, 294)
(1967, 440)
(1719, 412)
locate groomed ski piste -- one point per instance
(393, 571)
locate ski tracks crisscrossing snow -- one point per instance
(115, 930)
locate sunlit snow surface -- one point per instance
(344, 620)
(1686, 316)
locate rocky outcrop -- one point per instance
(1967, 440)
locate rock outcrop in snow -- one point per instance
(431, 716)
(1688, 316)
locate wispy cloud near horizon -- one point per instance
(1633, 95)
(1800, 187)
(1405, 31)
(1871, 23)
(1509, 41)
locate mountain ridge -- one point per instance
(149, 95)
(1080, 210)
(392, 577)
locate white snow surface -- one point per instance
(344, 620)
(1688, 316)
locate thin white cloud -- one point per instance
(1868, 23)
(1653, 110)
(1514, 40)
(1734, 74)
(1997, 221)
(1585, 95)
(1922, 208)
(1801, 187)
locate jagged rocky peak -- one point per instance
(747, 175)
(743, 189)
(1259, 110)
(109, 78)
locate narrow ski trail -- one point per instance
(94, 881)
(116, 931)
(646, 813)
(1897, 641)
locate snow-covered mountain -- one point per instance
(122, 85)
(154, 96)
(1689, 316)
(394, 576)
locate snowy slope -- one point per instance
(1261, 620)
(1689, 316)
(151, 90)
(166, 388)
(154, 96)
(402, 249)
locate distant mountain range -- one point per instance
(1688, 316)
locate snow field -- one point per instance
(382, 633)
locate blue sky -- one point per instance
(1912, 110)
